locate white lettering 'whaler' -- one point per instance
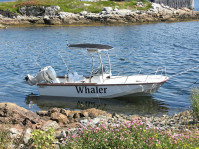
(91, 90)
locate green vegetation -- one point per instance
(75, 6)
(6, 141)
(130, 135)
(4, 137)
(43, 139)
(195, 104)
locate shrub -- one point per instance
(43, 139)
(129, 135)
(4, 138)
(195, 104)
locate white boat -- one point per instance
(100, 83)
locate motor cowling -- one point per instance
(46, 74)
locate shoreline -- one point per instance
(108, 16)
(21, 122)
(92, 24)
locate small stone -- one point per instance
(42, 113)
(71, 120)
(65, 112)
(61, 135)
(85, 114)
(76, 115)
(14, 132)
(115, 115)
(70, 115)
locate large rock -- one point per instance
(63, 15)
(32, 11)
(123, 12)
(39, 11)
(107, 10)
(51, 11)
(60, 118)
(12, 114)
(96, 112)
(8, 14)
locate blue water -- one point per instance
(196, 5)
(171, 45)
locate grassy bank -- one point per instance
(76, 6)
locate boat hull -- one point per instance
(99, 91)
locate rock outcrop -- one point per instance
(53, 16)
(14, 115)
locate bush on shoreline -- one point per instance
(134, 134)
(75, 6)
(195, 104)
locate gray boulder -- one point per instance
(108, 10)
(51, 11)
(83, 13)
(31, 11)
(39, 11)
(123, 12)
(63, 15)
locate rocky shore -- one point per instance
(54, 16)
(22, 122)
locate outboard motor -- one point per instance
(46, 74)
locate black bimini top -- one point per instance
(90, 46)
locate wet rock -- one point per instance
(53, 21)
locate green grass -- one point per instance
(74, 6)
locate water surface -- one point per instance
(140, 47)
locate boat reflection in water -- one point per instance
(125, 105)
